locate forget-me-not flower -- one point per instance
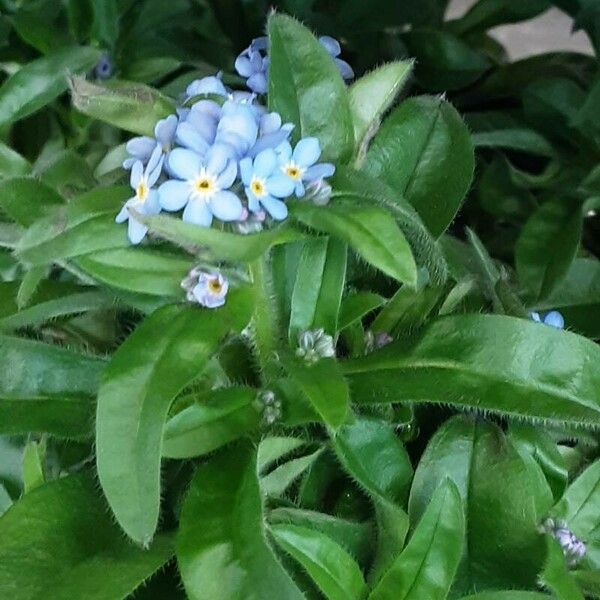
(238, 127)
(253, 64)
(198, 127)
(104, 69)
(202, 186)
(207, 85)
(141, 148)
(145, 200)
(271, 133)
(553, 318)
(300, 165)
(334, 49)
(265, 184)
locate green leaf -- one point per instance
(163, 355)
(12, 164)
(206, 425)
(306, 88)
(502, 364)
(589, 581)
(33, 466)
(77, 544)
(371, 454)
(577, 297)
(41, 81)
(105, 27)
(370, 230)
(424, 152)
(318, 287)
(25, 200)
(221, 547)
(144, 271)
(507, 595)
(324, 386)
(133, 107)
(371, 95)
(556, 576)
(524, 140)
(356, 306)
(500, 507)
(330, 566)
(46, 388)
(217, 244)
(580, 505)
(85, 225)
(443, 61)
(279, 480)
(547, 246)
(426, 567)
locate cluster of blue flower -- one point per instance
(221, 146)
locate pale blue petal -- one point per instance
(136, 231)
(330, 44)
(129, 162)
(155, 174)
(184, 163)
(140, 147)
(228, 174)
(246, 170)
(276, 208)
(136, 174)
(280, 186)
(243, 66)
(319, 171)
(226, 206)
(207, 108)
(253, 203)
(554, 319)
(173, 194)
(260, 43)
(265, 163)
(155, 161)
(164, 132)
(535, 316)
(258, 83)
(307, 152)
(206, 85)
(270, 123)
(270, 140)
(152, 203)
(344, 68)
(189, 137)
(198, 213)
(217, 158)
(284, 152)
(299, 191)
(124, 213)
(205, 124)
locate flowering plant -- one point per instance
(255, 354)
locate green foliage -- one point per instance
(376, 399)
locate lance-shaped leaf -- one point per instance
(25, 199)
(12, 164)
(370, 230)
(46, 389)
(306, 88)
(426, 567)
(503, 364)
(424, 152)
(41, 81)
(76, 545)
(131, 106)
(163, 355)
(221, 546)
(334, 571)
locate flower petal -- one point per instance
(140, 147)
(226, 206)
(152, 204)
(554, 319)
(269, 123)
(299, 191)
(344, 68)
(136, 174)
(184, 163)
(284, 152)
(330, 44)
(319, 171)
(136, 231)
(154, 161)
(198, 213)
(265, 163)
(189, 137)
(155, 174)
(246, 170)
(206, 85)
(243, 66)
(307, 152)
(535, 316)
(258, 83)
(280, 186)
(124, 213)
(173, 195)
(207, 108)
(276, 208)
(164, 131)
(228, 174)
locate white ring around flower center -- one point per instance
(204, 186)
(293, 171)
(141, 191)
(258, 186)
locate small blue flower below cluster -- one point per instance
(553, 319)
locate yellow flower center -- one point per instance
(204, 186)
(293, 171)
(142, 191)
(214, 286)
(258, 187)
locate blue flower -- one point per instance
(198, 126)
(553, 318)
(104, 69)
(265, 184)
(238, 127)
(253, 64)
(271, 133)
(211, 290)
(207, 85)
(202, 186)
(145, 200)
(141, 148)
(334, 49)
(300, 165)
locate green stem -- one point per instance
(264, 326)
